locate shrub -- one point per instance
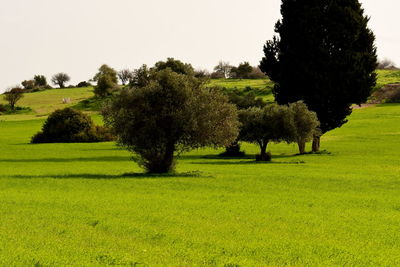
(70, 126)
(28, 84)
(3, 108)
(83, 84)
(388, 94)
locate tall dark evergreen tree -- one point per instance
(325, 55)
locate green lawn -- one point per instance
(89, 205)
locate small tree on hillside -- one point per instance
(12, 96)
(107, 81)
(125, 76)
(28, 84)
(264, 125)
(169, 115)
(40, 81)
(243, 70)
(223, 68)
(60, 79)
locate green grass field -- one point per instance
(90, 205)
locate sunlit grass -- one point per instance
(88, 204)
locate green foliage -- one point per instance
(242, 71)
(141, 77)
(171, 114)
(70, 126)
(40, 81)
(176, 66)
(28, 84)
(244, 101)
(12, 96)
(83, 84)
(241, 101)
(264, 125)
(60, 79)
(91, 104)
(305, 124)
(325, 61)
(107, 81)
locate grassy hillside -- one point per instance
(43, 103)
(89, 205)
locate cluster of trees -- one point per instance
(167, 110)
(324, 54)
(242, 71)
(39, 82)
(293, 123)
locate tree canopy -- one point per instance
(324, 54)
(168, 114)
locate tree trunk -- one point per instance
(264, 156)
(164, 163)
(302, 147)
(316, 144)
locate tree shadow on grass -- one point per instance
(194, 174)
(225, 162)
(243, 160)
(81, 159)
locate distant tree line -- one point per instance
(242, 71)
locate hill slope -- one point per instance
(45, 102)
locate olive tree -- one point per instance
(305, 124)
(12, 96)
(170, 114)
(264, 125)
(60, 79)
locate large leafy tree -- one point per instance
(171, 112)
(324, 54)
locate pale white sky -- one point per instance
(77, 36)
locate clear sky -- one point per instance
(77, 36)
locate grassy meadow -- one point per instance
(90, 205)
